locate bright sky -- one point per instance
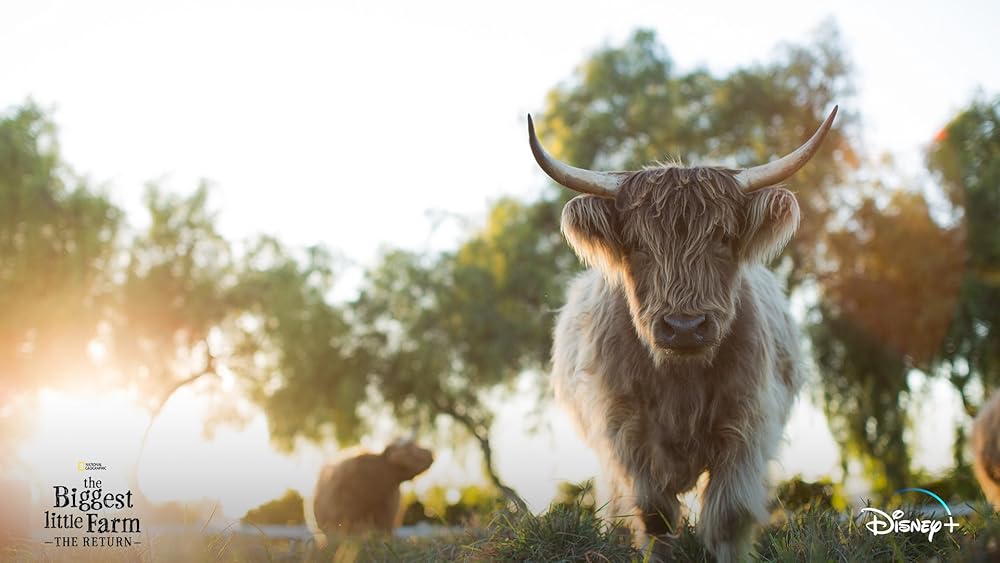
(345, 123)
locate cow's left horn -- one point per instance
(603, 184)
(774, 172)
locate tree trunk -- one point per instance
(209, 369)
(481, 433)
(512, 496)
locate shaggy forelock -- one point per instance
(687, 203)
(675, 214)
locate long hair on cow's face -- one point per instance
(675, 239)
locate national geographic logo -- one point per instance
(90, 466)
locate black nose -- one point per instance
(684, 331)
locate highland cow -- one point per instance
(986, 449)
(361, 494)
(675, 354)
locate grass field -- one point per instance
(566, 533)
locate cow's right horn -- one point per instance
(603, 184)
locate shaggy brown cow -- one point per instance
(361, 494)
(986, 449)
(675, 354)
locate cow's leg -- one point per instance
(616, 497)
(384, 518)
(659, 513)
(734, 500)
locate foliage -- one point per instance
(57, 248)
(796, 494)
(627, 107)
(957, 485)
(294, 348)
(577, 494)
(163, 306)
(563, 533)
(288, 510)
(474, 505)
(894, 262)
(445, 330)
(414, 512)
(965, 159)
(164, 342)
(891, 262)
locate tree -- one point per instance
(194, 309)
(428, 336)
(57, 247)
(627, 107)
(84, 302)
(287, 510)
(448, 330)
(903, 291)
(170, 305)
(889, 283)
(172, 301)
(965, 159)
(295, 352)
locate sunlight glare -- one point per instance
(81, 427)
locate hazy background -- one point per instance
(393, 135)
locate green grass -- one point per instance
(566, 534)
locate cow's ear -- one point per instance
(590, 224)
(771, 220)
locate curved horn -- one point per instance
(774, 172)
(601, 184)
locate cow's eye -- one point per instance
(725, 244)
